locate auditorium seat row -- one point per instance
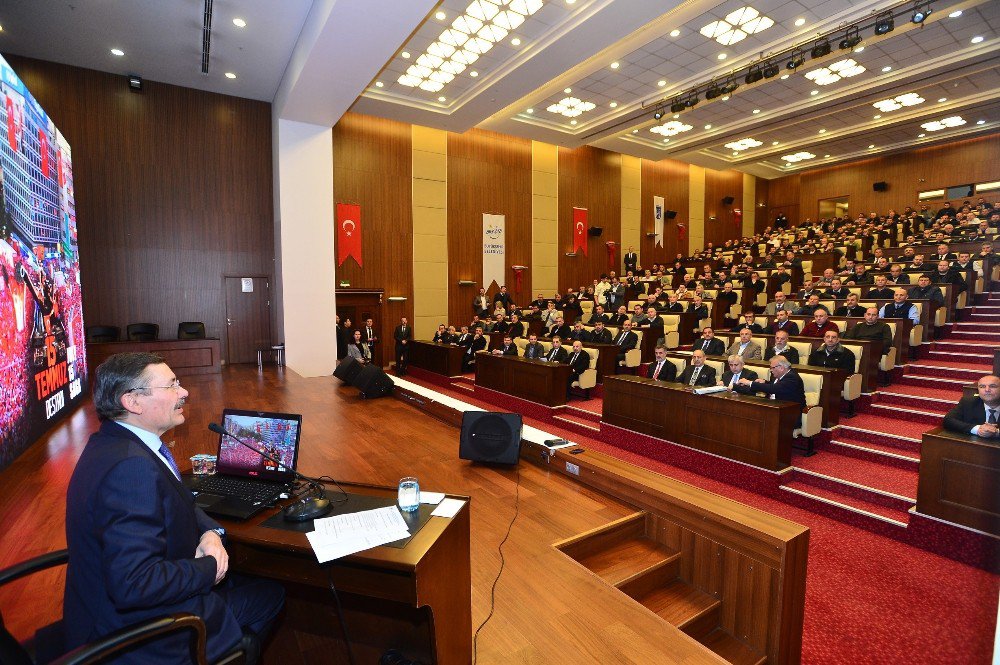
(143, 332)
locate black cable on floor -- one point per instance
(343, 622)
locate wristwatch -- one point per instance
(220, 531)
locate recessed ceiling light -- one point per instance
(708, 126)
(675, 33)
(744, 144)
(661, 83)
(615, 65)
(976, 39)
(117, 51)
(886, 69)
(677, 115)
(798, 157)
(737, 26)
(872, 146)
(571, 107)
(666, 140)
(898, 102)
(859, 49)
(955, 14)
(473, 73)
(613, 105)
(379, 84)
(826, 156)
(877, 117)
(531, 110)
(980, 122)
(774, 143)
(405, 55)
(920, 136)
(635, 131)
(239, 23)
(756, 111)
(515, 42)
(441, 99)
(945, 123)
(722, 56)
(736, 154)
(799, 22)
(725, 98)
(570, 2)
(572, 122)
(784, 76)
(230, 75)
(814, 92)
(568, 90)
(822, 131)
(942, 100)
(670, 128)
(440, 16)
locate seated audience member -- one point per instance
(745, 347)
(900, 308)
(654, 322)
(558, 329)
(557, 354)
(917, 264)
(820, 324)
(782, 322)
(533, 350)
(977, 415)
(755, 283)
(860, 276)
(579, 362)
(726, 297)
(872, 328)
(463, 338)
(945, 274)
(661, 369)
(507, 348)
(441, 335)
(812, 304)
(808, 290)
(549, 315)
(626, 340)
(578, 332)
(709, 344)
(673, 307)
(600, 334)
(826, 281)
(963, 262)
(924, 290)
(572, 304)
(698, 307)
(497, 325)
(358, 350)
(837, 290)
(881, 289)
(832, 354)
(784, 384)
(477, 343)
(749, 322)
(851, 307)
(781, 348)
(619, 318)
(781, 276)
(516, 328)
(541, 302)
(498, 311)
(697, 373)
(897, 276)
(534, 313)
(734, 372)
(779, 303)
(944, 254)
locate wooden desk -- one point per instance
(434, 357)
(186, 357)
(959, 477)
(429, 580)
(533, 380)
(753, 430)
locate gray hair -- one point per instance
(781, 361)
(120, 374)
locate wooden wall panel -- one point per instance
(173, 192)
(487, 173)
(783, 196)
(670, 179)
(372, 167)
(762, 191)
(719, 184)
(588, 178)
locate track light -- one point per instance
(691, 101)
(821, 48)
(713, 92)
(920, 15)
(730, 86)
(796, 61)
(754, 75)
(770, 70)
(884, 24)
(658, 114)
(677, 106)
(851, 38)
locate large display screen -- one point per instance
(43, 366)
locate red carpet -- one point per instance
(871, 474)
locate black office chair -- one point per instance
(49, 639)
(142, 332)
(101, 334)
(191, 330)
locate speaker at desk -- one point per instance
(373, 382)
(490, 437)
(347, 370)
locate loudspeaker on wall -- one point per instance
(727, 200)
(881, 186)
(670, 214)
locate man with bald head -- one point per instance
(977, 415)
(832, 354)
(697, 373)
(900, 308)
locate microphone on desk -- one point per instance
(305, 509)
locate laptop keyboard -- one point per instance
(253, 491)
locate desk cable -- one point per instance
(493, 589)
(340, 616)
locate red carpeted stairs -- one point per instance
(579, 420)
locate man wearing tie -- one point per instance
(441, 336)
(556, 354)
(507, 348)
(785, 384)
(463, 338)
(661, 369)
(368, 336)
(477, 343)
(735, 372)
(708, 344)
(579, 362)
(402, 334)
(779, 303)
(977, 415)
(625, 341)
(781, 348)
(697, 373)
(631, 259)
(782, 322)
(533, 350)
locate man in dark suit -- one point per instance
(977, 415)
(516, 327)
(661, 369)
(441, 335)
(403, 334)
(781, 348)
(626, 340)
(749, 322)
(698, 307)
(341, 340)
(599, 335)
(477, 343)
(735, 370)
(631, 259)
(782, 322)
(837, 290)
(369, 335)
(850, 307)
(578, 332)
(615, 296)
(673, 307)
(579, 362)
(697, 373)
(503, 297)
(139, 547)
(533, 350)
(557, 354)
(507, 348)
(558, 329)
(654, 323)
(832, 354)
(881, 290)
(463, 338)
(597, 315)
(709, 344)
(785, 384)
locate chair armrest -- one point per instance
(888, 361)
(852, 387)
(812, 421)
(131, 636)
(633, 357)
(37, 564)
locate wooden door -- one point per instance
(248, 318)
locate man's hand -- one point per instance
(745, 382)
(988, 430)
(211, 545)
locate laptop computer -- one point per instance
(245, 482)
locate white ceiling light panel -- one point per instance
(671, 128)
(896, 103)
(571, 107)
(944, 123)
(835, 72)
(744, 144)
(736, 26)
(798, 157)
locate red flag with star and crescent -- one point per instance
(348, 232)
(580, 229)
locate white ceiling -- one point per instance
(324, 53)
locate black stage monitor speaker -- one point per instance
(373, 382)
(595, 231)
(880, 186)
(490, 437)
(347, 369)
(671, 214)
(727, 200)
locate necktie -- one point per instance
(573, 362)
(694, 376)
(704, 346)
(659, 366)
(552, 355)
(733, 381)
(165, 452)
(993, 417)
(621, 338)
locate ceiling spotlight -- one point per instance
(135, 83)
(920, 14)
(239, 23)
(796, 61)
(730, 86)
(692, 101)
(884, 24)
(677, 106)
(821, 48)
(851, 38)
(713, 91)
(658, 114)
(770, 70)
(755, 74)
(231, 75)
(118, 52)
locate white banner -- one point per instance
(658, 219)
(494, 250)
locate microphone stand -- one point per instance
(307, 507)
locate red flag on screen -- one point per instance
(580, 229)
(348, 232)
(11, 126)
(43, 151)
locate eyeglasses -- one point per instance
(174, 385)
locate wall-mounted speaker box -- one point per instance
(595, 231)
(347, 369)
(373, 382)
(671, 214)
(490, 437)
(727, 200)
(880, 186)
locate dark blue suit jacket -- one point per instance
(132, 530)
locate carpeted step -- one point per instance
(870, 422)
(968, 326)
(974, 337)
(906, 414)
(466, 386)
(825, 500)
(971, 348)
(970, 358)
(947, 368)
(878, 439)
(918, 380)
(895, 477)
(876, 452)
(590, 410)
(984, 318)
(577, 424)
(917, 402)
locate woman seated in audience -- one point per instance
(358, 349)
(499, 309)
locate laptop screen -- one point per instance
(275, 433)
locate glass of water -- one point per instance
(409, 494)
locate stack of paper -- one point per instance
(341, 535)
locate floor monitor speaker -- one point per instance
(373, 382)
(347, 369)
(490, 437)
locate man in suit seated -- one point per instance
(745, 347)
(698, 307)
(832, 354)
(808, 290)
(558, 329)
(597, 315)
(850, 307)
(697, 373)
(783, 322)
(507, 348)
(463, 338)
(881, 289)
(654, 323)
(661, 369)
(977, 415)
(625, 341)
(541, 301)
(673, 307)
(599, 335)
(549, 314)
(837, 290)
(516, 327)
(810, 307)
(735, 371)
(139, 548)
(779, 303)
(477, 343)
(784, 384)
(708, 343)
(897, 276)
(749, 323)
(533, 350)
(498, 324)
(557, 354)
(872, 328)
(579, 362)
(820, 324)
(441, 336)
(578, 332)
(620, 317)
(781, 348)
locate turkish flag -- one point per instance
(580, 229)
(43, 151)
(348, 232)
(681, 231)
(737, 217)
